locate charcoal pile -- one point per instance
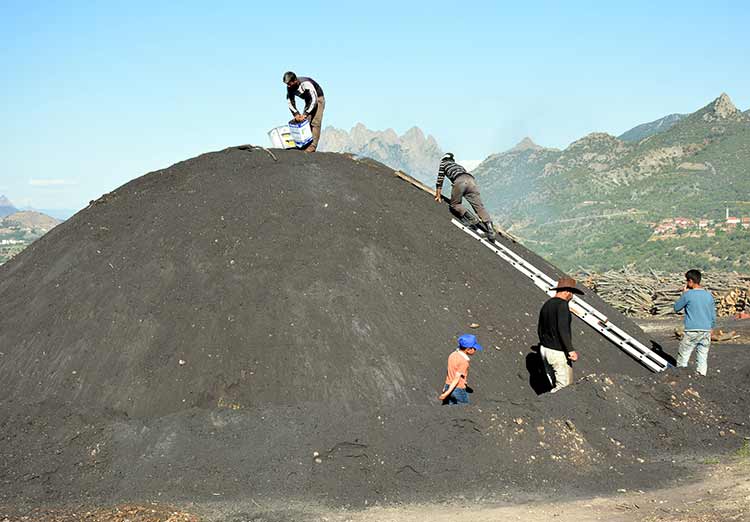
(274, 328)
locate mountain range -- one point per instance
(604, 194)
(595, 203)
(412, 152)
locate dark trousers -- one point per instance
(465, 186)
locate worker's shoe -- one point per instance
(489, 229)
(470, 220)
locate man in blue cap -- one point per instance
(454, 391)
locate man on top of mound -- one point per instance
(309, 90)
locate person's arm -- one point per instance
(439, 182)
(450, 389)
(291, 102)
(681, 302)
(563, 329)
(313, 102)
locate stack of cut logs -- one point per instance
(653, 294)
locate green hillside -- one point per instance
(597, 203)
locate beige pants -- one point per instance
(559, 373)
(316, 123)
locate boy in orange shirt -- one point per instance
(454, 391)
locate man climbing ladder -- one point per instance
(464, 186)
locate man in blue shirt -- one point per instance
(700, 319)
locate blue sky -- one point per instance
(97, 93)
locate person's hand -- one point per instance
(438, 196)
(442, 396)
(573, 356)
(299, 117)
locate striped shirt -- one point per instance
(309, 90)
(449, 169)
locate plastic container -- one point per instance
(281, 138)
(301, 133)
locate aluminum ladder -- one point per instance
(587, 313)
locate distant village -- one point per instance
(12, 242)
(682, 226)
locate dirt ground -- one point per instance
(723, 494)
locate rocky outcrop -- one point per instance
(412, 152)
(721, 109)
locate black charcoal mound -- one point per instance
(276, 326)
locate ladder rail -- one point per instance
(585, 311)
(624, 341)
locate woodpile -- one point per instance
(653, 294)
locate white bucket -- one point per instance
(281, 138)
(301, 132)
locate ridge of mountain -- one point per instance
(644, 130)
(412, 152)
(31, 220)
(614, 191)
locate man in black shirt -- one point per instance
(555, 343)
(315, 103)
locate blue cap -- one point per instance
(469, 341)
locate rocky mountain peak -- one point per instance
(525, 144)
(723, 105)
(721, 108)
(6, 207)
(414, 134)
